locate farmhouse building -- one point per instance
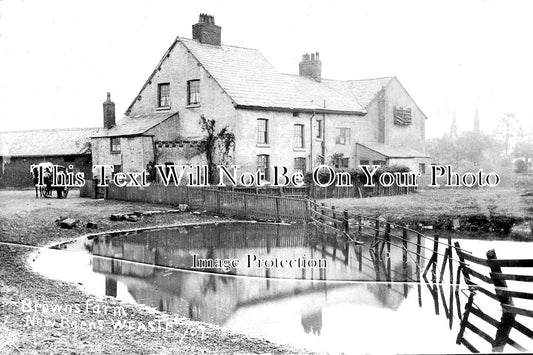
(20, 149)
(296, 121)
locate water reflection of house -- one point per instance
(214, 298)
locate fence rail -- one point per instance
(229, 203)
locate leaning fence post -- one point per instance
(346, 223)
(418, 251)
(387, 237)
(496, 269)
(404, 239)
(376, 235)
(507, 320)
(322, 217)
(435, 253)
(462, 265)
(450, 255)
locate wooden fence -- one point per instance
(229, 203)
(316, 192)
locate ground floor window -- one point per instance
(263, 164)
(364, 162)
(117, 169)
(299, 165)
(342, 163)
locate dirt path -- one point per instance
(30, 222)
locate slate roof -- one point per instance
(390, 151)
(323, 95)
(252, 82)
(363, 90)
(46, 142)
(134, 125)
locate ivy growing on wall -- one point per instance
(224, 140)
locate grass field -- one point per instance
(442, 205)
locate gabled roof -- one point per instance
(322, 95)
(251, 81)
(135, 125)
(46, 142)
(390, 151)
(365, 90)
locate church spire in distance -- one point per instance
(453, 128)
(476, 122)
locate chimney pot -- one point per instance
(311, 66)
(205, 31)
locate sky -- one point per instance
(59, 58)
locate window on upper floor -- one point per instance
(115, 145)
(193, 92)
(262, 131)
(422, 168)
(163, 95)
(298, 136)
(343, 135)
(319, 128)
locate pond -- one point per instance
(289, 286)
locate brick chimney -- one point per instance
(205, 31)
(109, 112)
(311, 66)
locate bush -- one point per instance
(520, 166)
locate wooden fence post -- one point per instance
(435, 253)
(461, 265)
(450, 255)
(245, 206)
(322, 218)
(387, 238)
(278, 219)
(376, 235)
(346, 224)
(507, 320)
(495, 269)
(404, 239)
(218, 200)
(418, 252)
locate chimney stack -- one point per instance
(109, 112)
(205, 31)
(311, 66)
